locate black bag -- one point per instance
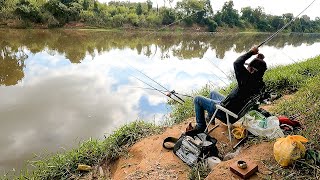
(193, 146)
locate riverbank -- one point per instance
(301, 80)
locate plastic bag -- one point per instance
(288, 149)
(259, 125)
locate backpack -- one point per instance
(192, 146)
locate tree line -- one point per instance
(121, 14)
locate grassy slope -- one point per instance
(302, 78)
(90, 152)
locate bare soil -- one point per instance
(147, 159)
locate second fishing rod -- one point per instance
(165, 91)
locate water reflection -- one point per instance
(59, 87)
(11, 64)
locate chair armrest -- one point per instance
(226, 111)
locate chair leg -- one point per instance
(212, 118)
(229, 128)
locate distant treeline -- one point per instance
(116, 14)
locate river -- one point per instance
(59, 87)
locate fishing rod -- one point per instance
(173, 92)
(157, 90)
(279, 30)
(164, 91)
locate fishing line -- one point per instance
(217, 67)
(220, 70)
(305, 71)
(218, 78)
(278, 31)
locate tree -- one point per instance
(95, 7)
(58, 10)
(149, 4)
(74, 11)
(208, 8)
(276, 22)
(168, 17)
(2, 4)
(192, 10)
(287, 17)
(139, 9)
(229, 15)
(28, 11)
(85, 4)
(11, 65)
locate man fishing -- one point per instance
(249, 83)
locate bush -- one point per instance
(153, 20)
(118, 20)
(168, 17)
(133, 19)
(212, 25)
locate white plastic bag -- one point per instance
(261, 126)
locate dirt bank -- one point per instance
(147, 159)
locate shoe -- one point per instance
(195, 129)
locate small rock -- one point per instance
(267, 172)
(101, 173)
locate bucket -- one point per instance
(213, 161)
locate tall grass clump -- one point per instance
(91, 152)
(289, 78)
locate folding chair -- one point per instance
(254, 100)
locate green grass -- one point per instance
(288, 79)
(91, 152)
(305, 102)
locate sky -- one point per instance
(274, 7)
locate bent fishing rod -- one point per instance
(279, 30)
